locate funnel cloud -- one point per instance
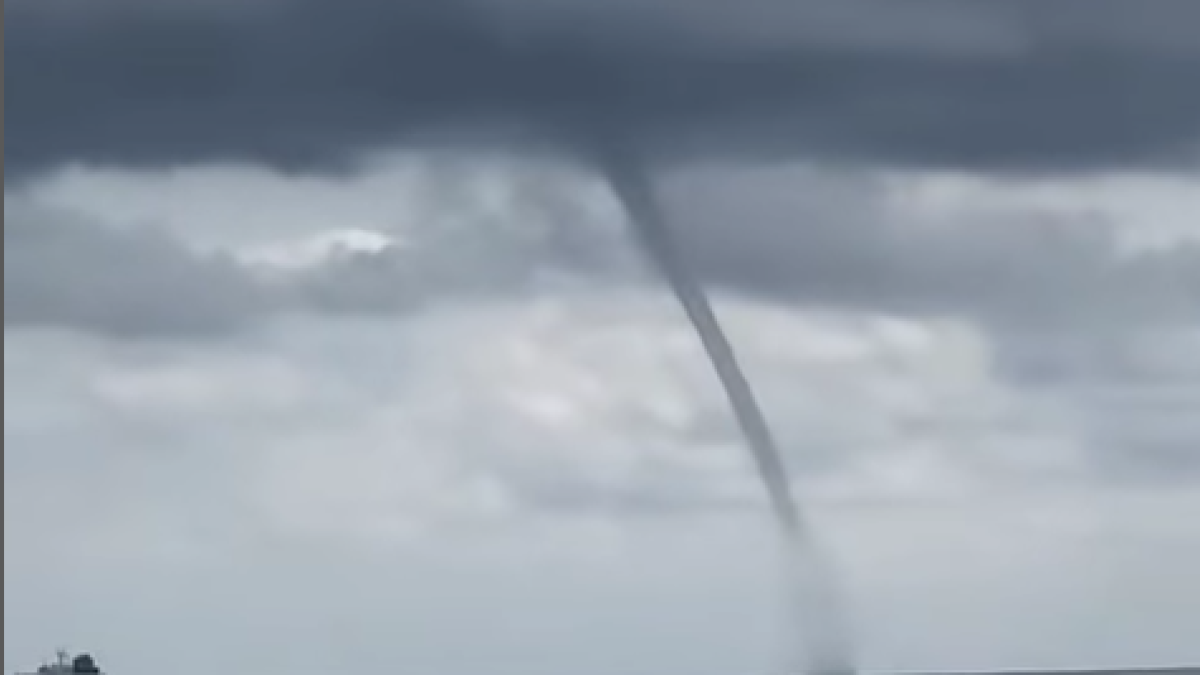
(819, 609)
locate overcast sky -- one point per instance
(323, 355)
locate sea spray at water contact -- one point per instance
(819, 607)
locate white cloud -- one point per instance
(597, 401)
(1148, 211)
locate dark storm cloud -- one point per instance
(1051, 84)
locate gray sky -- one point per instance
(287, 393)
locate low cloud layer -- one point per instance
(1066, 310)
(804, 238)
(1066, 84)
(67, 270)
(829, 239)
(59, 271)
